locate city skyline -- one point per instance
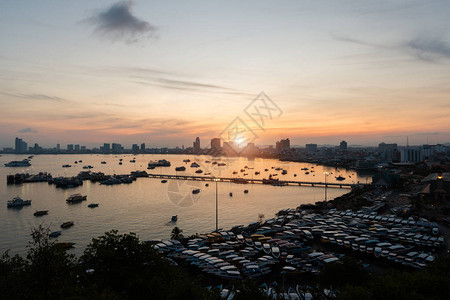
(165, 73)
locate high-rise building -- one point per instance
(143, 147)
(116, 148)
(283, 145)
(311, 148)
(20, 146)
(412, 155)
(83, 148)
(387, 151)
(58, 147)
(70, 147)
(343, 145)
(77, 147)
(197, 145)
(135, 148)
(215, 144)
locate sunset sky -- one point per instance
(90, 72)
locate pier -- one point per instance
(258, 181)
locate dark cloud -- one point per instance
(28, 130)
(428, 49)
(117, 23)
(35, 96)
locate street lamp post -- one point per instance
(326, 174)
(217, 205)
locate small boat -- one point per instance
(257, 173)
(180, 168)
(67, 224)
(174, 218)
(64, 245)
(245, 191)
(199, 171)
(17, 202)
(186, 160)
(132, 161)
(221, 164)
(196, 191)
(306, 173)
(16, 163)
(55, 234)
(231, 194)
(66, 166)
(103, 162)
(340, 178)
(265, 170)
(120, 162)
(76, 198)
(284, 172)
(234, 173)
(195, 165)
(163, 181)
(206, 184)
(40, 213)
(207, 162)
(92, 205)
(75, 162)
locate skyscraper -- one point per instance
(197, 145)
(215, 144)
(343, 145)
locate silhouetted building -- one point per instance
(215, 144)
(387, 151)
(116, 148)
(197, 145)
(58, 147)
(311, 148)
(412, 155)
(343, 145)
(143, 147)
(70, 147)
(283, 145)
(135, 148)
(77, 147)
(20, 146)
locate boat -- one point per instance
(304, 169)
(186, 160)
(306, 173)
(160, 163)
(76, 198)
(103, 162)
(88, 167)
(120, 162)
(257, 173)
(164, 181)
(231, 194)
(221, 164)
(66, 166)
(132, 161)
(40, 213)
(18, 202)
(55, 234)
(245, 191)
(67, 224)
(284, 172)
(196, 191)
(180, 168)
(206, 184)
(64, 245)
(234, 173)
(340, 178)
(92, 205)
(195, 165)
(174, 218)
(18, 163)
(199, 171)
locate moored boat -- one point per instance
(75, 198)
(18, 202)
(92, 205)
(67, 224)
(40, 213)
(55, 234)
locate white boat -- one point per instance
(159, 163)
(18, 202)
(275, 251)
(76, 198)
(266, 248)
(18, 163)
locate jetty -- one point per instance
(259, 181)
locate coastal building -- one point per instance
(412, 155)
(343, 146)
(20, 146)
(77, 147)
(311, 148)
(387, 151)
(197, 145)
(135, 148)
(283, 145)
(215, 144)
(116, 148)
(142, 147)
(70, 147)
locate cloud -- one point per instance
(117, 23)
(428, 49)
(28, 130)
(35, 96)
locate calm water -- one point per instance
(146, 205)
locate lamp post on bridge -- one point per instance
(217, 205)
(326, 175)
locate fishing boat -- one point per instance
(103, 162)
(199, 171)
(75, 198)
(159, 163)
(195, 165)
(18, 202)
(66, 166)
(92, 205)
(245, 191)
(180, 169)
(196, 191)
(174, 218)
(164, 181)
(67, 224)
(40, 213)
(55, 234)
(186, 160)
(340, 178)
(231, 194)
(284, 172)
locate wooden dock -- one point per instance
(258, 181)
